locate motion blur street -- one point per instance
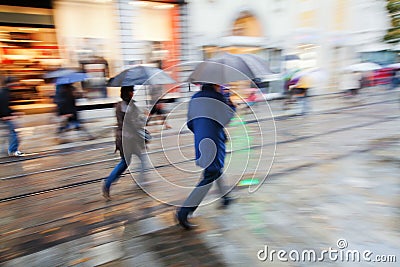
(191, 133)
(334, 177)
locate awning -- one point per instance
(23, 19)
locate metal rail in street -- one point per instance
(102, 145)
(99, 146)
(82, 183)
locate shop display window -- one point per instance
(25, 55)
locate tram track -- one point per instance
(160, 166)
(153, 152)
(104, 145)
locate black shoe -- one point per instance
(183, 221)
(106, 192)
(226, 201)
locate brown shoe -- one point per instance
(106, 192)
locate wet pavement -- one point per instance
(334, 180)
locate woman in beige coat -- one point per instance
(128, 139)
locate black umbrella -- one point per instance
(141, 75)
(228, 68)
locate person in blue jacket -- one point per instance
(208, 114)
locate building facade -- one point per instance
(327, 34)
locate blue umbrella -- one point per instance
(71, 78)
(58, 73)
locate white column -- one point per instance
(132, 50)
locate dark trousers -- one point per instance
(201, 190)
(70, 123)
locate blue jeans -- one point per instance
(303, 104)
(13, 142)
(121, 167)
(116, 173)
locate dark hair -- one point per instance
(126, 93)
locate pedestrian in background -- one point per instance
(208, 114)
(251, 99)
(66, 108)
(351, 82)
(8, 116)
(395, 79)
(226, 92)
(299, 92)
(128, 140)
(157, 111)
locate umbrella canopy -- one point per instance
(228, 68)
(365, 66)
(58, 73)
(290, 73)
(313, 76)
(141, 75)
(71, 78)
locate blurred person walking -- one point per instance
(157, 111)
(8, 116)
(208, 114)
(395, 79)
(66, 108)
(299, 93)
(351, 83)
(128, 138)
(251, 100)
(226, 92)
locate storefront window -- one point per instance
(157, 23)
(26, 53)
